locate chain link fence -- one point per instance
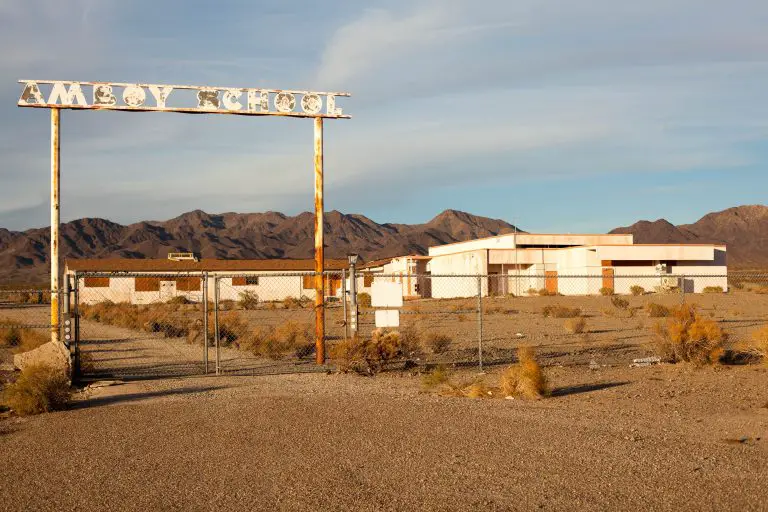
(152, 325)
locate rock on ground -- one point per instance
(53, 354)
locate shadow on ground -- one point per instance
(134, 397)
(585, 388)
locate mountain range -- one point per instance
(744, 229)
(24, 254)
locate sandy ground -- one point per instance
(613, 438)
(657, 438)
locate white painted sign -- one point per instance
(387, 318)
(184, 98)
(386, 295)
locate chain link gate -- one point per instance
(153, 325)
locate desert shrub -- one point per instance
(546, 293)
(231, 328)
(226, 305)
(31, 339)
(686, 336)
(10, 336)
(178, 300)
(636, 290)
(524, 379)
(759, 343)
(438, 343)
(368, 355)
(295, 337)
(739, 285)
(38, 389)
(619, 303)
(656, 310)
(462, 318)
(410, 341)
(477, 389)
(290, 338)
(560, 312)
(575, 325)
(294, 303)
(21, 339)
(606, 291)
(532, 291)
(436, 377)
(364, 300)
(248, 300)
(713, 289)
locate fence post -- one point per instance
(205, 321)
(216, 334)
(480, 321)
(344, 302)
(682, 289)
(76, 322)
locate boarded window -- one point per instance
(367, 280)
(96, 282)
(188, 284)
(245, 281)
(308, 282)
(147, 284)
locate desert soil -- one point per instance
(665, 437)
(655, 438)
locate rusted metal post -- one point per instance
(217, 334)
(55, 219)
(319, 252)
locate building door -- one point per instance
(550, 281)
(608, 281)
(494, 284)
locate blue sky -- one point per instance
(556, 115)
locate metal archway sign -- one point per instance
(185, 99)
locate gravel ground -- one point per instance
(657, 438)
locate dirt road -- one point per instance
(659, 438)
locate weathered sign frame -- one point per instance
(210, 100)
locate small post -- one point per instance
(205, 321)
(319, 250)
(344, 302)
(55, 220)
(480, 321)
(216, 322)
(682, 289)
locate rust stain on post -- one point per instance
(319, 254)
(55, 174)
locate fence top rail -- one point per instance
(182, 274)
(210, 275)
(29, 290)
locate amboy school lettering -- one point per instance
(198, 99)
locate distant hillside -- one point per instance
(24, 255)
(743, 228)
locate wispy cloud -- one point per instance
(449, 96)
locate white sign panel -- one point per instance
(179, 98)
(386, 295)
(387, 318)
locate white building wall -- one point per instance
(272, 287)
(450, 265)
